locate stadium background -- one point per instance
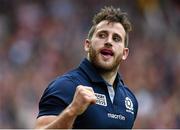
(40, 40)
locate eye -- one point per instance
(117, 38)
(102, 35)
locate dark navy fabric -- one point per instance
(59, 94)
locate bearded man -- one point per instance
(93, 95)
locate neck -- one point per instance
(109, 77)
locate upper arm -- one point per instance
(54, 100)
(57, 96)
(43, 121)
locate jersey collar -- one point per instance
(92, 73)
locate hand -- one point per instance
(83, 97)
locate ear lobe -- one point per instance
(87, 45)
(125, 53)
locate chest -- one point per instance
(105, 114)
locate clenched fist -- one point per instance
(83, 97)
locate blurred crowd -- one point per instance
(40, 40)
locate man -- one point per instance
(93, 95)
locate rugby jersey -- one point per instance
(105, 114)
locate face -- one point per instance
(106, 48)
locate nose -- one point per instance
(108, 42)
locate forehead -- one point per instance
(113, 27)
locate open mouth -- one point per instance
(107, 52)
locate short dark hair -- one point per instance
(111, 14)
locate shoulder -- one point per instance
(65, 82)
(62, 87)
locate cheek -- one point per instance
(119, 50)
(96, 45)
(98, 41)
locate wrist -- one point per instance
(72, 111)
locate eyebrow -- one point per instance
(108, 31)
(102, 31)
(118, 35)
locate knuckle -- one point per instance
(79, 87)
(81, 92)
(86, 98)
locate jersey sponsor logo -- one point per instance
(116, 116)
(129, 105)
(101, 99)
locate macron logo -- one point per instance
(115, 116)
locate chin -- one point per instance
(104, 65)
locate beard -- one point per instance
(103, 66)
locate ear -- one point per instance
(125, 53)
(87, 45)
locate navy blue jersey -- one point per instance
(104, 114)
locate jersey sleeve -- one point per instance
(56, 97)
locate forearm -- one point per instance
(64, 121)
(84, 96)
